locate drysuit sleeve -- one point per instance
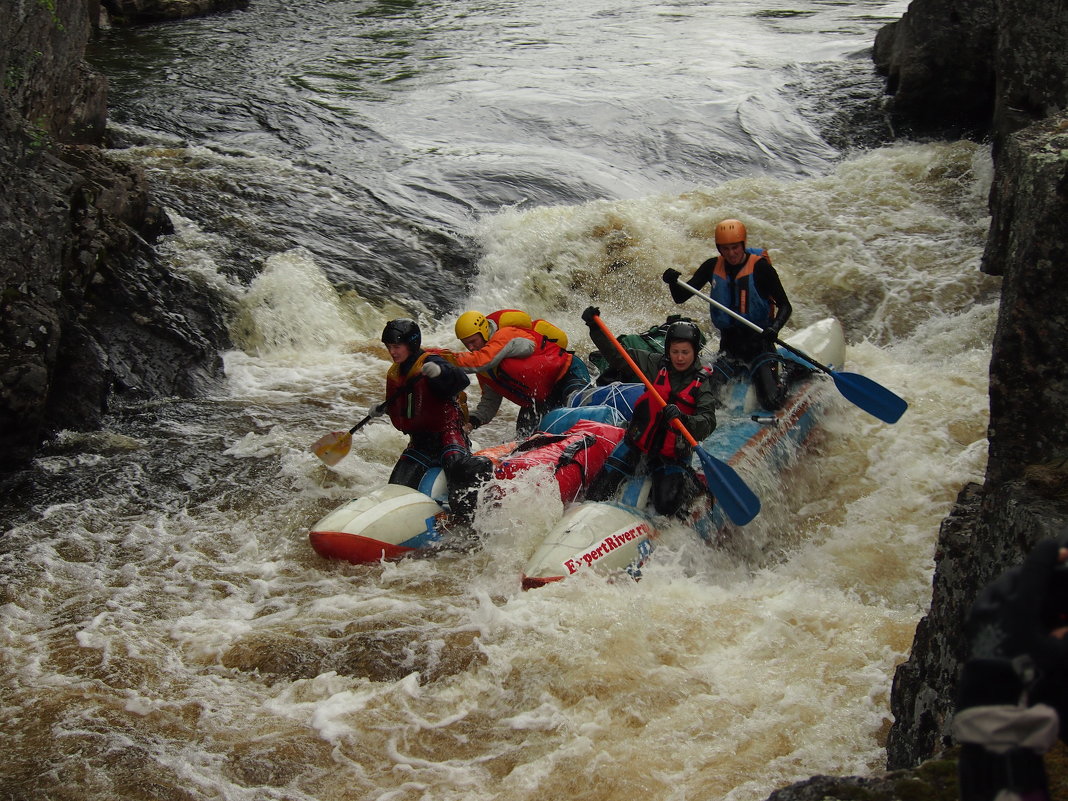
(489, 403)
(703, 420)
(770, 286)
(493, 353)
(611, 353)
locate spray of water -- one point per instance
(167, 630)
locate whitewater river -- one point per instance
(166, 630)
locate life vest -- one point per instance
(740, 295)
(525, 381)
(414, 408)
(504, 318)
(644, 430)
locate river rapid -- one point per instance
(165, 628)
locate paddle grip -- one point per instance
(380, 409)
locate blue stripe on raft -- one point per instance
(428, 536)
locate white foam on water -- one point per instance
(193, 636)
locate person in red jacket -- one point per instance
(652, 445)
(425, 400)
(520, 364)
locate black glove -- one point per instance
(589, 314)
(683, 450)
(474, 421)
(669, 413)
(771, 333)
(671, 276)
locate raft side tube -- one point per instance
(604, 536)
(386, 523)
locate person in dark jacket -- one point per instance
(745, 282)
(426, 401)
(1013, 691)
(652, 443)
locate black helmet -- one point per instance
(402, 331)
(684, 331)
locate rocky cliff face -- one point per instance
(1025, 495)
(978, 67)
(86, 310)
(996, 68)
(1012, 56)
(938, 67)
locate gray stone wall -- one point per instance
(86, 311)
(1018, 51)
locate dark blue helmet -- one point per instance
(402, 331)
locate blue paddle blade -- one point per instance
(731, 492)
(870, 396)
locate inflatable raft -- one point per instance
(621, 534)
(394, 521)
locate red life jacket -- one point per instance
(530, 379)
(644, 431)
(418, 409)
(520, 319)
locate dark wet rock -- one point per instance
(974, 68)
(939, 67)
(1022, 500)
(1028, 245)
(997, 68)
(1031, 63)
(87, 310)
(936, 780)
(132, 12)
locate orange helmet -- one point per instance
(730, 231)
